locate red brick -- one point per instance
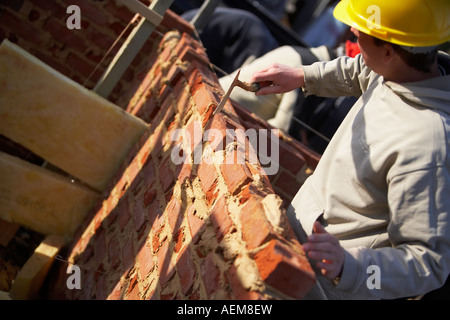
(311, 157)
(123, 212)
(221, 220)
(196, 225)
(290, 158)
(187, 270)
(61, 33)
(149, 197)
(121, 185)
(179, 239)
(223, 132)
(139, 214)
(184, 41)
(254, 190)
(287, 183)
(195, 295)
(210, 275)
(207, 116)
(20, 27)
(194, 54)
(52, 7)
(212, 193)
(97, 220)
(86, 255)
(90, 11)
(166, 268)
(184, 171)
(194, 133)
(119, 11)
(145, 258)
(155, 212)
(199, 73)
(116, 293)
(88, 285)
(238, 291)
(207, 174)
(168, 104)
(133, 289)
(101, 290)
(183, 96)
(142, 108)
(100, 245)
(204, 97)
(174, 21)
(284, 269)
(101, 40)
(114, 253)
(166, 175)
(218, 133)
(158, 237)
(250, 119)
(155, 141)
(173, 75)
(81, 66)
(236, 175)
(128, 253)
(174, 214)
(148, 173)
(256, 229)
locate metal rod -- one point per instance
(129, 50)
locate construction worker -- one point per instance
(374, 218)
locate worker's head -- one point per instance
(409, 29)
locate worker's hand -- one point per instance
(326, 250)
(278, 78)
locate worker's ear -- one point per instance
(389, 54)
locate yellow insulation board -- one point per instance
(30, 278)
(68, 125)
(40, 199)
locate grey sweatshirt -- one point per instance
(383, 184)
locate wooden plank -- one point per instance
(69, 126)
(31, 276)
(40, 199)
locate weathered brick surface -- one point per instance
(169, 230)
(210, 227)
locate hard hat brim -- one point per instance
(345, 13)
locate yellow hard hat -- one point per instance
(414, 23)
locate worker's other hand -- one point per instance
(278, 78)
(326, 250)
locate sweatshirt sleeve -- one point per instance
(343, 76)
(419, 259)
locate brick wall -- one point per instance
(189, 230)
(166, 230)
